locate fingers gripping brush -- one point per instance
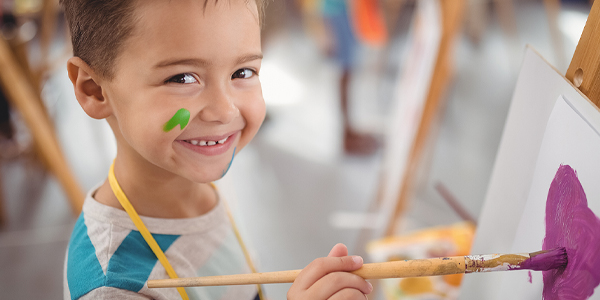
(537, 261)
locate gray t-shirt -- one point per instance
(107, 257)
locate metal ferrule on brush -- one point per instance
(494, 262)
(537, 261)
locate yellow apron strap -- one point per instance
(137, 221)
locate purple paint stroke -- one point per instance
(530, 277)
(571, 224)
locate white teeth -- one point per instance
(207, 143)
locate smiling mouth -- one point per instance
(206, 143)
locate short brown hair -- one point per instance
(99, 28)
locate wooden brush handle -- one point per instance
(394, 269)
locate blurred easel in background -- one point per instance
(21, 84)
(419, 97)
(427, 70)
(414, 115)
(451, 13)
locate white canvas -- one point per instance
(538, 87)
(571, 140)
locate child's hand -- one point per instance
(329, 278)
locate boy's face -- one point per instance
(191, 67)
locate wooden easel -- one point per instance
(584, 70)
(24, 98)
(452, 16)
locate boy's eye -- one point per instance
(182, 78)
(243, 73)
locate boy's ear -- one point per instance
(88, 89)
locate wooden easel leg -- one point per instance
(23, 98)
(584, 70)
(48, 27)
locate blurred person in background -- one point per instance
(330, 23)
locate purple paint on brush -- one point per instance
(571, 224)
(546, 260)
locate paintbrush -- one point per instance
(537, 261)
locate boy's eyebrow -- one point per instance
(198, 62)
(250, 57)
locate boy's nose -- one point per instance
(219, 107)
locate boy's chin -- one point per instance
(205, 178)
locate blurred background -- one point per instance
(383, 119)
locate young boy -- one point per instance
(177, 81)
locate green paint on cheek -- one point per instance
(181, 118)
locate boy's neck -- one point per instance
(151, 197)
